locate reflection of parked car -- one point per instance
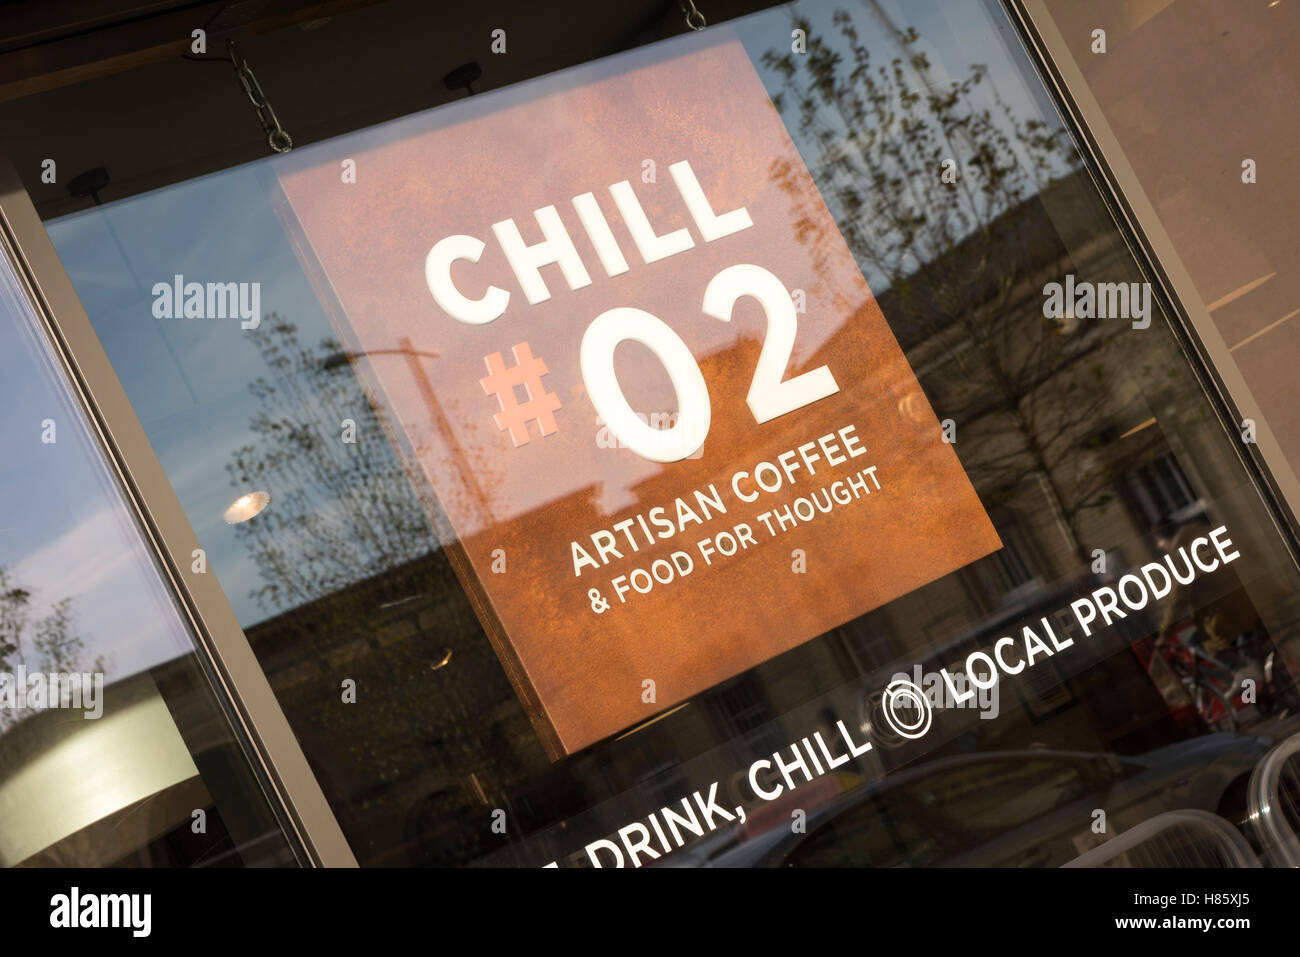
(1003, 808)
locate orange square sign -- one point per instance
(615, 330)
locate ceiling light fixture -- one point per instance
(246, 506)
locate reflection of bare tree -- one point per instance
(342, 509)
(54, 645)
(961, 258)
(360, 587)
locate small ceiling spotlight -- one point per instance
(89, 183)
(461, 77)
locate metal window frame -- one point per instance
(223, 649)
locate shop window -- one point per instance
(113, 748)
(515, 481)
(1160, 488)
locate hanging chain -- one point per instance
(276, 137)
(694, 19)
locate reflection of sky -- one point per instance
(64, 530)
(188, 379)
(955, 36)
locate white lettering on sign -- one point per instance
(556, 247)
(770, 395)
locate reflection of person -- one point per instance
(1217, 602)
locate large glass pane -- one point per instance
(113, 749)
(597, 464)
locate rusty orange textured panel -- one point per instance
(459, 170)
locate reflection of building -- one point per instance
(428, 752)
(415, 754)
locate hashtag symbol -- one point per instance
(514, 415)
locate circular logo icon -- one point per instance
(900, 698)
